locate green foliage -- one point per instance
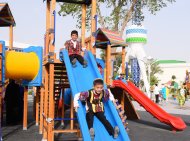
(30, 92)
(118, 12)
(117, 63)
(155, 69)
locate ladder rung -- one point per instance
(124, 118)
(122, 112)
(118, 106)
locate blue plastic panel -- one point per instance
(3, 62)
(38, 79)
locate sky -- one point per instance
(168, 30)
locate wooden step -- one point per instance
(121, 113)
(118, 106)
(59, 68)
(124, 119)
(60, 77)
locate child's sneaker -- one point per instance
(116, 132)
(74, 62)
(92, 133)
(85, 64)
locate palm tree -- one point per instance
(155, 69)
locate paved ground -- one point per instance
(150, 129)
(15, 133)
(145, 129)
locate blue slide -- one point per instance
(81, 79)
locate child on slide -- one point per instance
(121, 77)
(74, 48)
(94, 106)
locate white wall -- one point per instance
(178, 69)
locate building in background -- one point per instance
(172, 67)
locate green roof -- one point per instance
(170, 61)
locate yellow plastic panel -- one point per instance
(21, 65)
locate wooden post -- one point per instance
(1, 89)
(51, 80)
(51, 103)
(47, 25)
(123, 59)
(11, 37)
(46, 100)
(37, 106)
(108, 65)
(83, 25)
(72, 114)
(93, 26)
(25, 115)
(46, 71)
(41, 109)
(122, 100)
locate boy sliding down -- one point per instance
(74, 49)
(94, 106)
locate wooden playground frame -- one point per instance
(54, 70)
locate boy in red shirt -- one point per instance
(74, 48)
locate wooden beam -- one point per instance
(129, 108)
(72, 114)
(41, 109)
(37, 106)
(116, 53)
(47, 26)
(66, 131)
(11, 37)
(123, 59)
(46, 70)
(108, 65)
(51, 78)
(51, 103)
(46, 88)
(122, 101)
(25, 115)
(93, 26)
(83, 25)
(6, 21)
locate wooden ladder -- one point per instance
(60, 82)
(121, 113)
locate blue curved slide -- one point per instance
(81, 79)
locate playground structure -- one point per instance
(59, 75)
(25, 66)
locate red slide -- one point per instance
(175, 122)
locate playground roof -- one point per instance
(87, 2)
(6, 17)
(105, 36)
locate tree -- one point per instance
(120, 12)
(155, 69)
